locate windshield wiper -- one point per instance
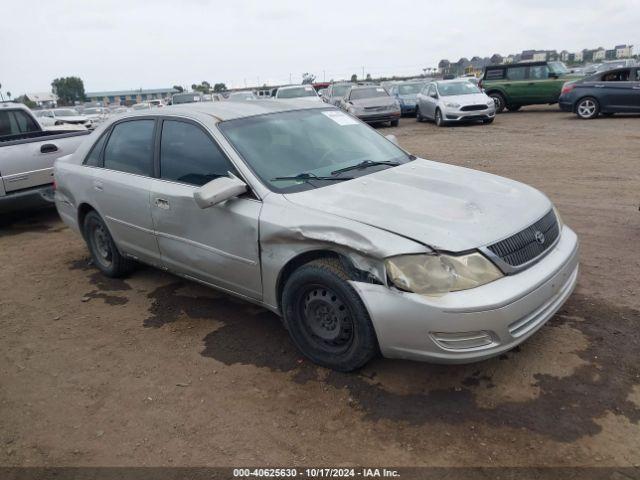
(364, 164)
(311, 176)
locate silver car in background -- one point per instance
(454, 101)
(372, 104)
(336, 92)
(302, 92)
(360, 246)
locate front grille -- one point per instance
(472, 108)
(529, 243)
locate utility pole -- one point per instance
(324, 79)
(363, 73)
(289, 78)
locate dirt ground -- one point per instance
(155, 370)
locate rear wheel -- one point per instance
(587, 108)
(103, 250)
(419, 117)
(438, 118)
(326, 318)
(499, 100)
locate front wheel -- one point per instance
(587, 108)
(499, 101)
(103, 250)
(394, 123)
(326, 318)
(439, 120)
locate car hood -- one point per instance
(408, 98)
(374, 102)
(469, 99)
(445, 207)
(72, 118)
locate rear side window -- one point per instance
(616, 76)
(189, 155)
(516, 73)
(16, 122)
(130, 147)
(494, 74)
(93, 159)
(539, 72)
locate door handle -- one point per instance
(162, 203)
(97, 185)
(48, 148)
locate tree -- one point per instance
(9, 95)
(308, 78)
(219, 88)
(204, 87)
(368, 77)
(68, 89)
(178, 88)
(354, 78)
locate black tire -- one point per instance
(587, 108)
(103, 250)
(513, 108)
(326, 318)
(419, 117)
(499, 100)
(438, 118)
(488, 121)
(394, 123)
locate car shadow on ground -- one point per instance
(565, 407)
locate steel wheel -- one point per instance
(587, 108)
(438, 119)
(102, 245)
(326, 319)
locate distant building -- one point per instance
(564, 56)
(578, 56)
(129, 97)
(624, 51)
(599, 54)
(43, 99)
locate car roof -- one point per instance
(222, 111)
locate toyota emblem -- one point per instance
(539, 236)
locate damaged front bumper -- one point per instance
(475, 324)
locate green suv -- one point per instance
(513, 85)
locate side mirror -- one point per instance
(218, 190)
(434, 95)
(392, 138)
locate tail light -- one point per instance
(566, 88)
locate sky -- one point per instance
(132, 44)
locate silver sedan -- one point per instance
(361, 247)
(454, 101)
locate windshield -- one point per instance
(316, 142)
(457, 88)
(410, 89)
(66, 112)
(297, 92)
(340, 90)
(558, 68)
(368, 92)
(186, 98)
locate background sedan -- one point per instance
(450, 101)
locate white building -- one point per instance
(599, 54)
(624, 51)
(578, 56)
(43, 99)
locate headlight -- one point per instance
(396, 105)
(452, 105)
(440, 274)
(491, 103)
(559, 218)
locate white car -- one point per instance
(303, 92)
(97, 115)
(63, 116)
(454, 101)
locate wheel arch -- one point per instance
(308, 256)
(83, 209)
